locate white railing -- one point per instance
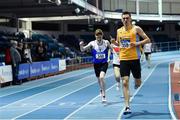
(166, 46)
(78, 62)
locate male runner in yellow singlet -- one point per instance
(129, 42)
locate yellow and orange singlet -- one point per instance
(125, 37)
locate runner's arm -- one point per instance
(142, 34)
(84, 48)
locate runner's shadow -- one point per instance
(138, 95)
(143, 113)
(108, 103)
(113, 103)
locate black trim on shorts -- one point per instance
(115, 65)
(147, 53)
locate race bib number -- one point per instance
(125, 43)
(100, 56)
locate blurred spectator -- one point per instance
(41, 51)
(20, 49)
(26, 54)
(54, 39)
(20, 35)
(8, 55)
(16, 60)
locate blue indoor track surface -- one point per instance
(75, 95)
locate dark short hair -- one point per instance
(126, 12)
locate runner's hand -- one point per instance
(134, 44)
(81, 43)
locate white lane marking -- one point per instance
(46, 78)
(56, 99)
(121, 113)
(43, 92)
(44, 83)
(89, 102)
(163, 61)
(170, 96)
(86, 104)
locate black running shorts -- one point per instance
(100, 67)
(147, 54)
(127, 66)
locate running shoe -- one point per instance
(104, 99)
(127, 111)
